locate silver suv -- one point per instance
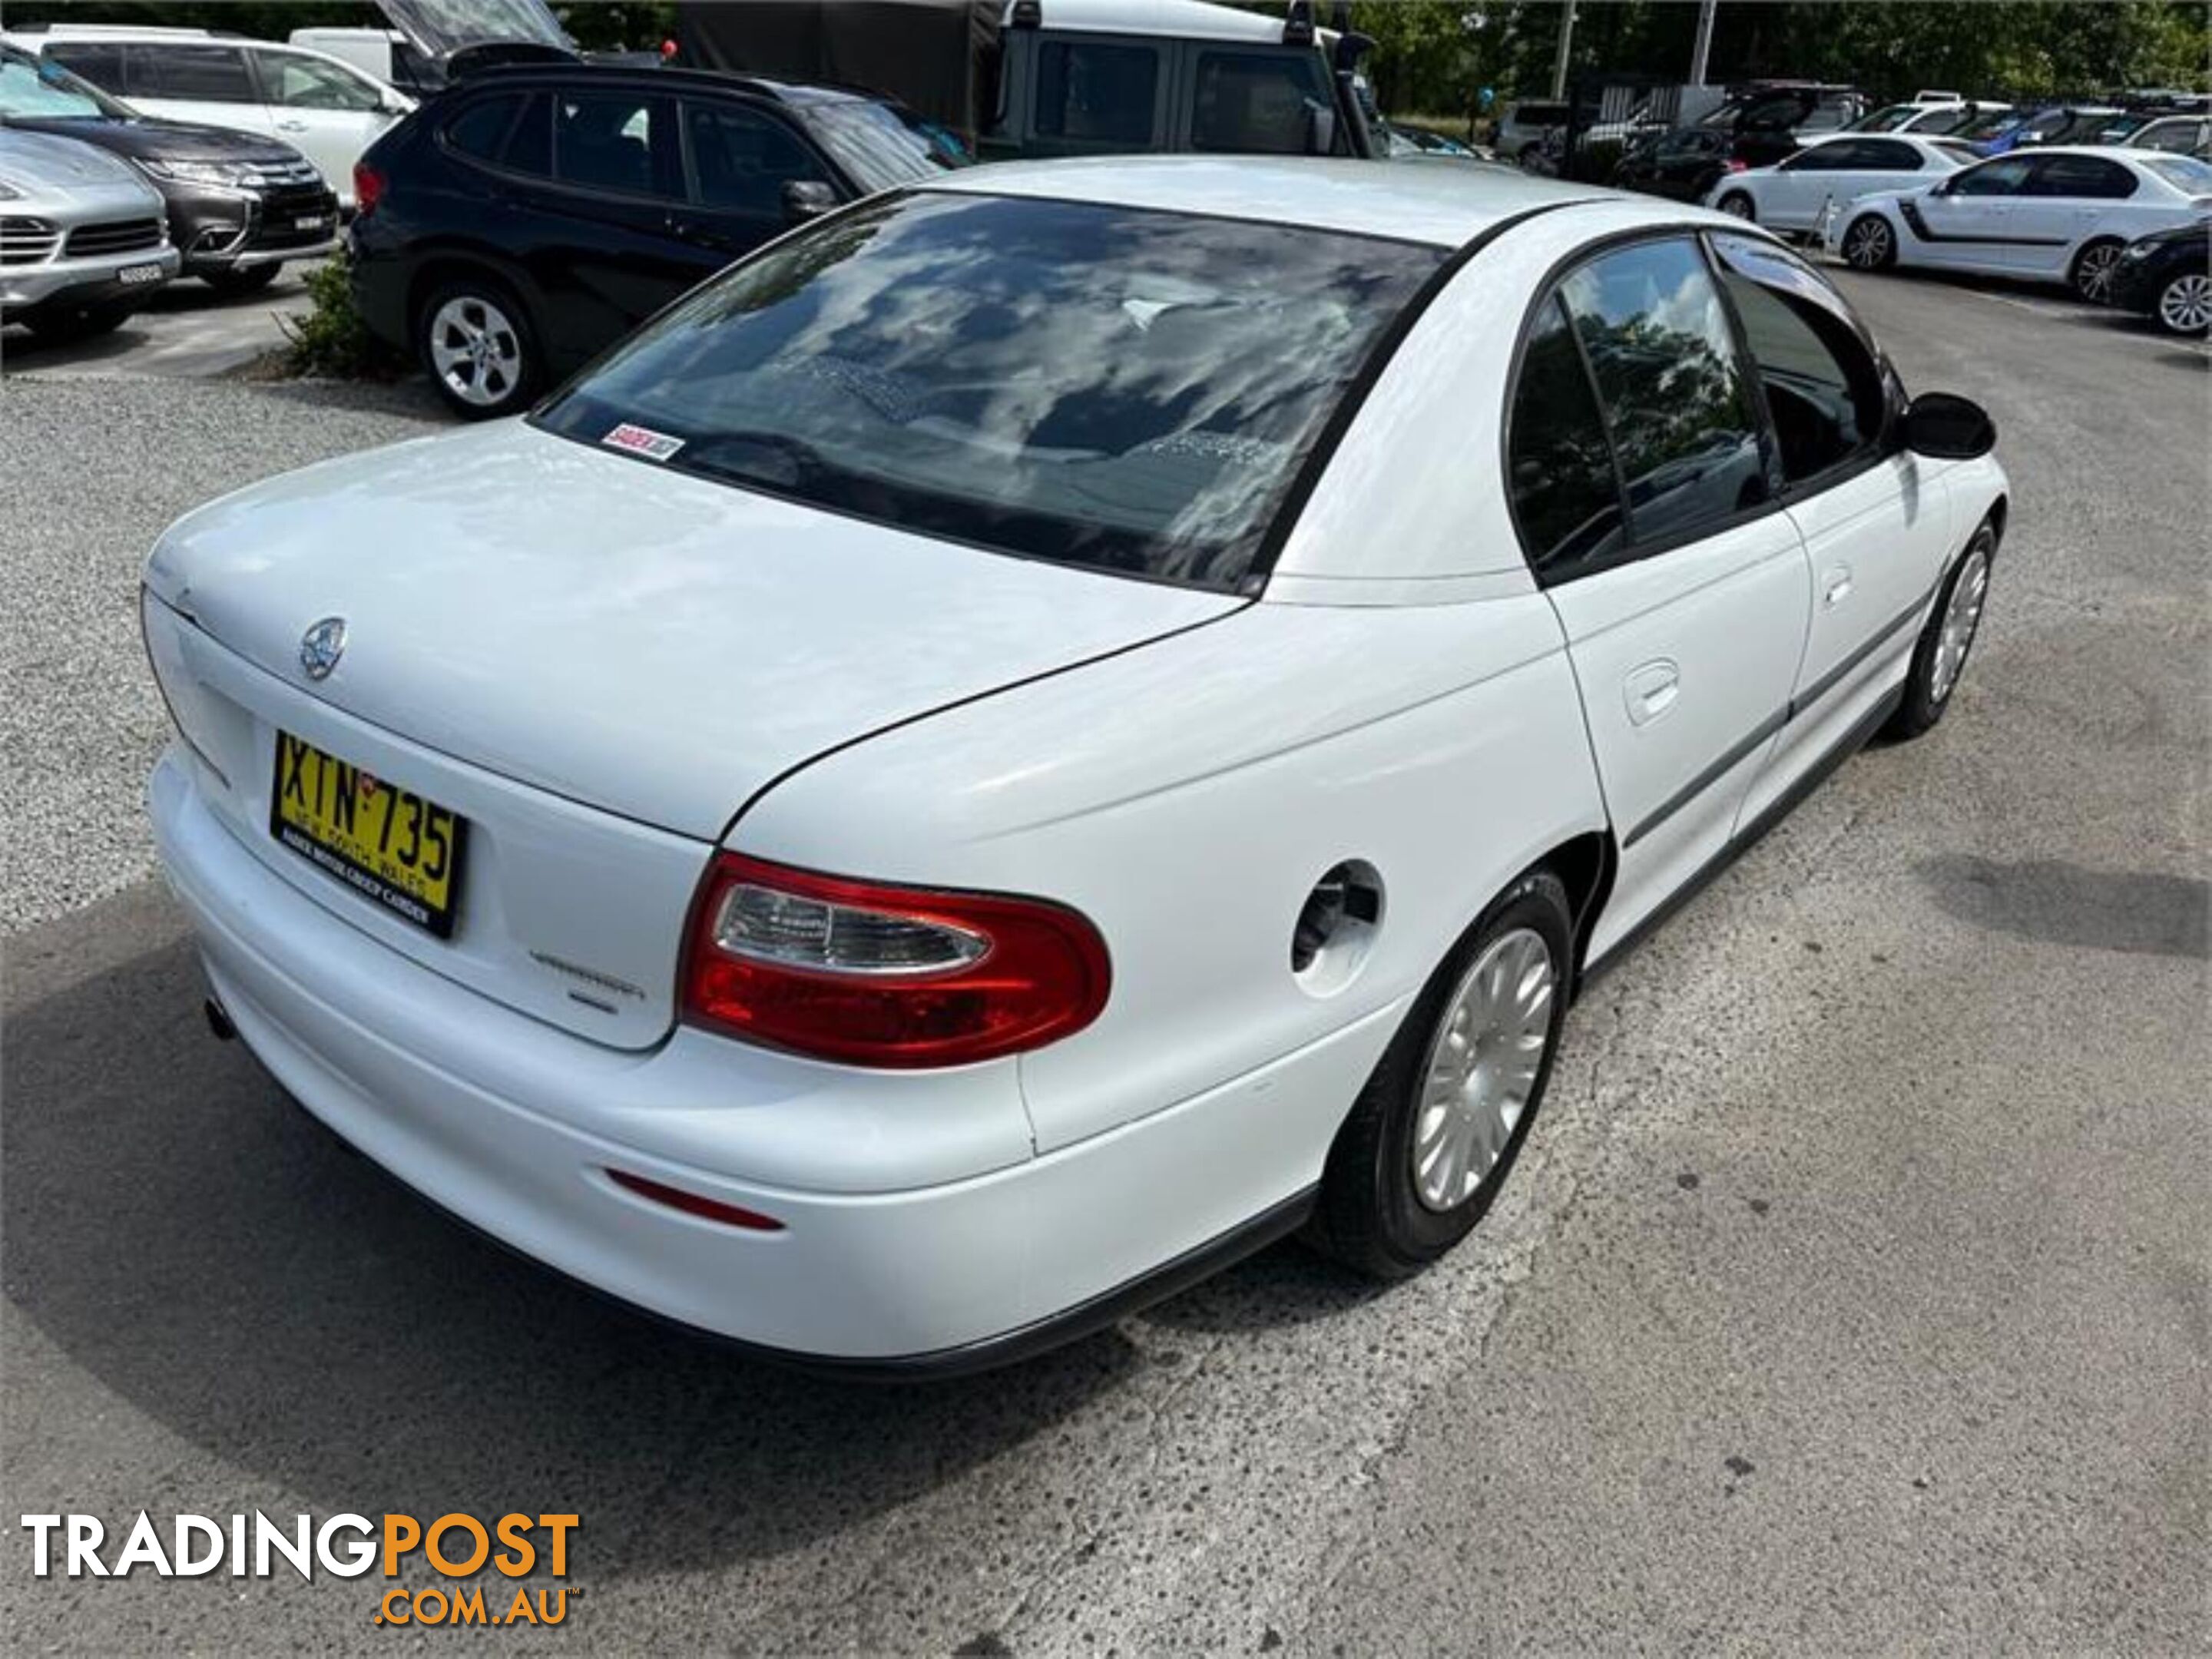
(84, 241)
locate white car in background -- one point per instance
(1047, 729)
(2061, 214)
(1795, 195)
(326, 109)
(1928, 118)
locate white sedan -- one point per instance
(1799, 193)
(1045, 730)
(2064, 214)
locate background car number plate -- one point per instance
(140, 273)
(312, 222)
(387, 843)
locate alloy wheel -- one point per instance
(1866, 245)
(1737, 206)
(1961, 617)
(475, 350)
(2093, 275)
(1482, 1068)
(2185, 304)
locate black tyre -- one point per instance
(80, 323)
(233, 282)
(476, 344)
(1870, 244)
(1940, 658)
(2094, 268)
(1433, 1135)
(1738, 204)
(2183, 303)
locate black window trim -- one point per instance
(1631, 551)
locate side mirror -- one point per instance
(393, 103)
(1321, 129)
(807, 198)
(1945, 427)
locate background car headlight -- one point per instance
(228, 174)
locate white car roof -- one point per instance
(1188, 20)
(1443, 206)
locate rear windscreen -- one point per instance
(1099, 385)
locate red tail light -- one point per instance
(1737, 165)
(878, 975)
(367, 188)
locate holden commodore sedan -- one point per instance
(1047, 729)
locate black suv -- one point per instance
(517, 224)
(238, 206)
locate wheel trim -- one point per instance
(1482, 1068)
(1961, 617)
(2093, 275)
(2185, 303)
(1867, 244)
(1737, 206)
(475, 351)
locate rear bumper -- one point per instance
(944, 1278)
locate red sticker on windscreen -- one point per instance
(642, 440)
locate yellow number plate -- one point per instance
(389, 843)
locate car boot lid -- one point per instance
(626, 635)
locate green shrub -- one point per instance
(330, 341)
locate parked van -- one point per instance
(327, 109)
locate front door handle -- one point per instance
(291, 126)
(1650, 691)
(1836, 586)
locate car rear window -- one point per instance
(2184, 173)
(1098, 386)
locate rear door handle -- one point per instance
(1650, 691)
(291, 126)
(1836, 586)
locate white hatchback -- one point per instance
(1802, 192)
(1045, 730)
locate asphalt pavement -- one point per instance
(1855, 1293)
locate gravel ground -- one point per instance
(95, 470)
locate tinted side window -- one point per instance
(100, 62)
(204, 74)
(480, 129)
(623, 142)
(1676, 399)
(2000, 178)
(1097, 93)
(310, 83)
(530, 146)
(1565, 495)
(1831, 157)
(2080, 176)
(1255, 101)
(1824, 389)
(1888, 155)
(742, 160)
